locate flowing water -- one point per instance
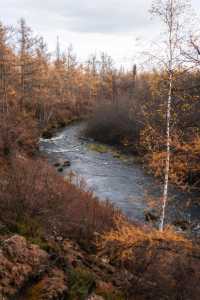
(122, 181)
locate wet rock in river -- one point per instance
(47, 134)
(183, 224)
(57, 164)
(62, 164)
(66, 163)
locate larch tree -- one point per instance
(171, 13)
(5, 64)
(26, 43)
(43, 110)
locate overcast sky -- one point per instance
(117, 27)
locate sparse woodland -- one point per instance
(91, 248)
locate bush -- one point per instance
(32, 190)
(111, 124)
(155, 265)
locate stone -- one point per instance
(52, 286)
(57, 164)
(66, 163)
(19, 261)
(47, 135)
(183, 224)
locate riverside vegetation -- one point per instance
(59, 241)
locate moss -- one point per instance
(6, 151)
(4, 230)
(111, 295)
(34, 293)
(33, 231)
(81, 282)
(101, 148)
(116, 153)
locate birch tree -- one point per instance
(171, 13)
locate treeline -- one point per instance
(128, 107)
(51, 87)
(137, 122)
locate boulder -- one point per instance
(19, 261)
(182, 224)
(66, 163)
(52, 286)
(57, 164)
(47, 134)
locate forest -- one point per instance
(58, 238)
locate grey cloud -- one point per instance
(101, 16)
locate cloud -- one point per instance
(96, 16)
(90, 25)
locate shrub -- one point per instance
(157, 265)
(32, 190)
(112, 124)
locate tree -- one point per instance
(171, 13)
(26, 52)
(5, 65)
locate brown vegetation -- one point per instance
(155, 265)
(140, 122)
(37, 203)
(37, 94)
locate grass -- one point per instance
(81, 283)
(116, 153)
(100, 148)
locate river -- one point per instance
(124, 182)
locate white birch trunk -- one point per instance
(169, 102)
(167, 163)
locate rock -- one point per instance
(183, 224)
(73, 254)
(151, 215)
(19, 261)
(47, 134)
(66, 163)
(52, 286)
(103, 287)
(62, 164)
(57, 164)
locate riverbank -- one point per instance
(142, 134)
(58, 236)
(119, 178)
